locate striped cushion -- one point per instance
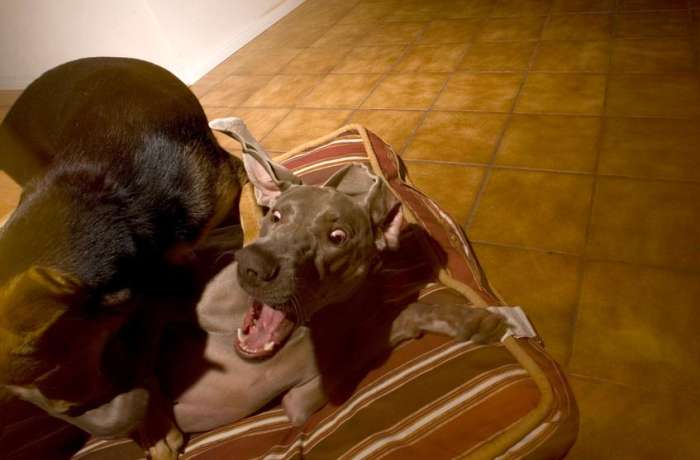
(433, 398)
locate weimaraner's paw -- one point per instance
(469, 323)
(491, 326)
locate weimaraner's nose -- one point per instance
(256, 265)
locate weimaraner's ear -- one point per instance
(269, 178)
(372, 192)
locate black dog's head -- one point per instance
(317, 246)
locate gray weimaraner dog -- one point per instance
(294, 315)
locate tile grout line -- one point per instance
(330, 72)
(506, 124)
(385, 75)
(651, 390)
(279, 72)
(569, 172)
(321, 76)
(477, 71)
(573, 255)
(414, 132)
(558, 114)
(594, 192)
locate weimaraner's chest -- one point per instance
(232, 387)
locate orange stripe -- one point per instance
(244, 447)
(496, 411)
(433, 406)
(405, 400)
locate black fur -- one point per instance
(117, 163)
(119, 170)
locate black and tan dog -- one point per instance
(121, 177)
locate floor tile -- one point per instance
(500, 56)
(468, 9)
(422, 58)
(394, 126)
(646, 222)
(233, 90)
(260, 62)
(457, 136)
(283, 91)
(563, 93)
(511, 29)
(628, 424)
(317, 13)
(9, 195)
(551, 142)
(406, 91)
(582, 6)
(653, 56)
(578, 27)
(440, 181)
(414, 12)
(572, 56)
(370, 59)
(651, 148)
(343, 35)
(315, 60)
(304, 125)
(533, 209)
(637, 326)
(449, 31)
(363, 13)
(521, 8)
(8, 97)
(656, 24)
(340, 91)
(654, 95)
(487, 92)
(259, 121)
(288, 37)
(543, 284)
(631, 5)
(201, 87)
(400, 33)
(222, 70)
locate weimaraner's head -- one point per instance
(317, 244)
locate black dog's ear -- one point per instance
(30, 304)
(269, 178)
(38, 295)
(372, 192)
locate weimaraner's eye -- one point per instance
(276, 216)
(337, 236)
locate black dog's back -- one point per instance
(96, 110)
(118, 164)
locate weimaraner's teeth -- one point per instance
(269, 346)
(241, 335)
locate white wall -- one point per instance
(188, 37)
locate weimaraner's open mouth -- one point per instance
(264, 330)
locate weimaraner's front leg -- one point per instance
(454, 320)
(303, 400)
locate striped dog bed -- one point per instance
(433, 398)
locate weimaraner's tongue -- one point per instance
(264, 329)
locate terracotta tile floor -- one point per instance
(564, 136)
